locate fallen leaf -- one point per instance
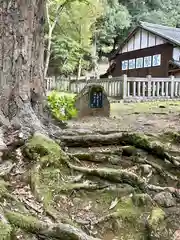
(113, 203)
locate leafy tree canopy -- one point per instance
(103, 22)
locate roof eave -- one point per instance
(124, 42)
(141, 26)
(160, 35)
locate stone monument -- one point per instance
(92, 101)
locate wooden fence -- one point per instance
(124, 87)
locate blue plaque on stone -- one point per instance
(96, 98)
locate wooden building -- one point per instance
(150, 49)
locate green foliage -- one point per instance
(71, 42)
(84, 24)
(62, 107)
(111, 24)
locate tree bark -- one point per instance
(21, 60)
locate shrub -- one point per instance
(62, 107)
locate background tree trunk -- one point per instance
(21, 59)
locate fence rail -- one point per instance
(123, 87)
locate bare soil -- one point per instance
(151, 117)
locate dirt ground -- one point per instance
(150, 117)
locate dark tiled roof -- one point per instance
(169, 33)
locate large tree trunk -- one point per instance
(21, 60)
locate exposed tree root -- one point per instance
(172, 190)
(123, 176)
(59, 231)
(86, 185)
(133, 139)
(6, 168)
(158, 168)
(91, 140)
(34, 185)
(120, 176)
(106, 218)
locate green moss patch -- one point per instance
(142, 200)
(5, 231)
(28, 223)
(157, 217)
(44, 149)
(126, 210)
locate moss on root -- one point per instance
(142, 200)
(5, 231)
(129, 151)
(27, 223)
(136, 140)
(126, 210)
(157, 217)
(156, 227)
(3, 188)
(41, 147)
(173, 137)
(129, 224)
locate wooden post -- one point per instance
(124, 86)
(172, 86)
(149, 85)
(158, 88)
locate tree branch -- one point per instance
(59, 9)
(47, 15)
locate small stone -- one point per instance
(129, 151)
(76, 200)
(177, 235)
(146, 169)
(165, 199)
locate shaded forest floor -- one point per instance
(113, 178)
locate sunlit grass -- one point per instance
(145, 108)
(159, 107)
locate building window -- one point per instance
(156, 60)
(147, 61)
(139, 62)
(132, 63)
(124, 65)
